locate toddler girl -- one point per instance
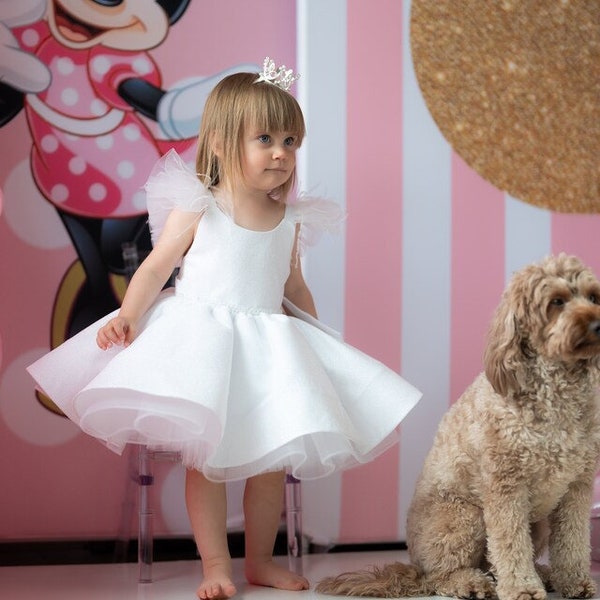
(231, 367)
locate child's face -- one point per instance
(268, 158)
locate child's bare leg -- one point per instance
(263, 501)
(207, 509)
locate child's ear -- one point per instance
(216, 144)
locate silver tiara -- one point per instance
(279, 76)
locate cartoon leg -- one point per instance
(98, 246)
(95, 283)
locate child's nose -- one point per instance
(279, 151)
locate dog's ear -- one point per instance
(503, 358)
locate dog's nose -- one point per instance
(595, 328)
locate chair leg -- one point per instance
(293, 515)
(293, 512)
(129, 506)
(145, 528)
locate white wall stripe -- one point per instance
(426, 274)
(322, 94)
(527, 234)
(321, 58)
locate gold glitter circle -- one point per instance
(514, 86)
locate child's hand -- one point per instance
(117, 331)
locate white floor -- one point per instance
(172, 580)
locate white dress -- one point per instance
(217, 370)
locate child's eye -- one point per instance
(265, 138)
(290, 141)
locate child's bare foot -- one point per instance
(217, 583)
(270, 574)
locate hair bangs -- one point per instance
(270, 108)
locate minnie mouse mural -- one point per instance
(99, 119)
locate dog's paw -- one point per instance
(582, 588)
(466, 583)
(545, 574)
(531, 592)
(483, 589)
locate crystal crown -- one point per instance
(279, 76)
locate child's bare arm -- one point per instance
(149, 279)
(296, 290)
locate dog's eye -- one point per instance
(594, 299)
(557, 302)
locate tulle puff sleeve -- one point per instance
(315, 216)
(172, 184)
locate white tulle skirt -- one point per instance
(236, 393)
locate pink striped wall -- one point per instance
(477, 269)
(374, 257)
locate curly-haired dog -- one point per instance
(512, 466)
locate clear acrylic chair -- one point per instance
(145, 480)
(141, 471)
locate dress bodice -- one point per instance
(241, 268)
(226, 263)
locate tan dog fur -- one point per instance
(512, 466)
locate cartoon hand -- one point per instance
(21, 70)
(14, 13)
(180, 109)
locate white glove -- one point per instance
(180, 109)
(18, 68)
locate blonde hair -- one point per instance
(235, 104)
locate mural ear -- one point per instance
(173, 8)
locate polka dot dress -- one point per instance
(91, 152)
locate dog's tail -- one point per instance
(395, 580)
